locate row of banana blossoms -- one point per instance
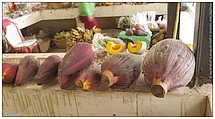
(119, 71)
(75, 70)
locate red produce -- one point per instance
(120, 71)
(66, 81)
(27, 69)
(88, 79)
(139, 33)
(168, 65)
(139, 27)
(48, 70)
(77, 58)
(130, 32)
(9, 71)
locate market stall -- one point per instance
(32, 18)
(138, 68)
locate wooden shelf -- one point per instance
(103, 11)
(127, 10)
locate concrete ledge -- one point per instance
(33, 100)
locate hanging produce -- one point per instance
(48, 70)
(9, 71)
(77, 58)
(120, 71)
(168, 65)
(27, 69)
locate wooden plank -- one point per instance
(203, 37)
(172, 7)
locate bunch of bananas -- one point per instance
(80, 35)
(158, 37)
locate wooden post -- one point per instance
(175, 30)
(203, 36)
(172, 10)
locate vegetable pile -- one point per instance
(76, 35)
(118, 46)
(79, 35)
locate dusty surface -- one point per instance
(34, 100)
